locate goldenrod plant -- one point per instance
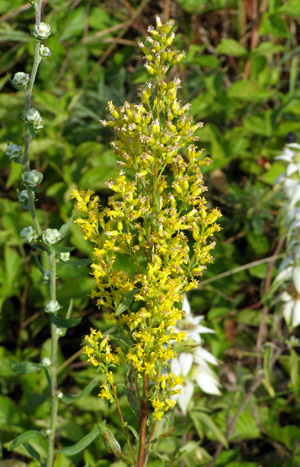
(157, 220)
(40, 239)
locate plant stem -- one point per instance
(53, 367)
(51, 254)
(143, 426)
(28, 137)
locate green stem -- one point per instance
(28, 137)
(53, 367)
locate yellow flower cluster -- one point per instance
(157, 219)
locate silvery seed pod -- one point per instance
(14, 152)
(41, 31)
(46, 362)
(32, 178)
(45, 51)
(20, 80)
(64, 257)
(23, 199)
(28, 235)
(51, 236)
(33, 116)
(52, 306)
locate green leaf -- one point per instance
(208, 421)
(64, 322)
(126, 302)
(69, 398)
(65, 227)
(177, 430)
(39, 247)
(131, 392)
(62, 249)
(78, 263)
(37, 262)
(275, 25)
(111, 443)
(291, 8)
(294, 364)
(133, 431)
(197, 424)
(24, 368)
(23, 437)
(157, 199)
(82, 444)
(32, 452)
(231, 47)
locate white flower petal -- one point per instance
(291, 168)
(208, 383)
(296, 278)
(186, 395)
(287, 310)
(201, 354)
(175, 367)
(296, 314)
(185, 362)
(186, 305)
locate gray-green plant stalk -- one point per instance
(51, 254)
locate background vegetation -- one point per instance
(240, 75)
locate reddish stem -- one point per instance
(143, 427)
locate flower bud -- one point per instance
(41, 31)
(64, 257)
(45, 51)
(32, 178)
(14, 152)
(52, 306)
(59, 394)
(60, 332)
(20, 80)
(28, 235)
(23, 199)
(46, 362)
(33, 116)
(51, 236)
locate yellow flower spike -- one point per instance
(152, 240)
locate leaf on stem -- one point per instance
(111, 443)
(131, 391)
(64, 322)
(82, 444)
(69, 398)
(126, 302)
(24, 368)
(23, 437)
(65, 227)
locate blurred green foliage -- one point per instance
(240, 74)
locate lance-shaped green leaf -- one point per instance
(82, 444)
(208, 421)
(131, 391)
(126, 302)
(33, 453)
(78, 263)
(62, 249)
(64, 322)
(65, 227)
(111, 443)
(69, 398)
(37, 262)
(177, 430)
(24, 368)
(23, 437)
